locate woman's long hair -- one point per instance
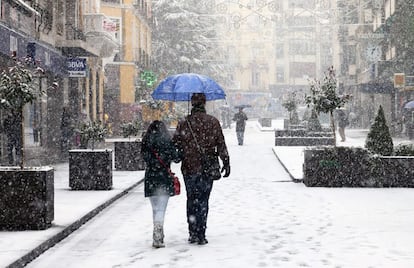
(157, 129)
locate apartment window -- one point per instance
(302, 69)
(60, 17)
(352, 54)
(326, 55)
(112, 1)
(279, 51)
(302, 47)
(255, 78)
(280, 74)
(304, 21)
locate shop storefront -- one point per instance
(48, 65)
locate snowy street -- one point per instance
(258, 218)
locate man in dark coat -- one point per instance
(66, 130)
(240, 119)
(199, 131)
(12, 126)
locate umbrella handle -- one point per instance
(188, 104)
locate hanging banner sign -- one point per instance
(76, 67)
(399, 80)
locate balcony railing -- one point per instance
(99, 23)
(100, 33)
(74, 33)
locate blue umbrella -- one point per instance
(180, 87)
(409, 105)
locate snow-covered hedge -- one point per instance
(356, 167)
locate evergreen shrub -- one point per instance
(379, 139)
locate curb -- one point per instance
(287, 170)
(52, 241)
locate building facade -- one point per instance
(275, 47)
(27, 33)
(66, 40)
(375, 44)
(132, 28)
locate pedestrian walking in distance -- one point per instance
(240, 119)
(199, 132)
(158, 184)
(342, 123)
(12, 126)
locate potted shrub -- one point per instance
(90, 169)
(377, 165)
(324, 97)
(326, 166)
(291, 106)
(397, 162)
(379, 139)
(26, 193)
(128, 150)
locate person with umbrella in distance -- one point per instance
(197, 136)
(225, 116)
(240, 118)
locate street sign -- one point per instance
(76, 67)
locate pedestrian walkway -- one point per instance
(72, 209)
(258, 218)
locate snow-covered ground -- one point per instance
(257, 218)
(70, 206)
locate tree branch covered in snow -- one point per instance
(324, 97)
(182, 38)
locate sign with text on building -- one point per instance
(399, 80)
(77, 67)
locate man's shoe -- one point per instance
(158, 244)
(202, 241)
(192, 239)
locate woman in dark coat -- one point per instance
(158, 184)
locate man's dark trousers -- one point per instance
(198, 190)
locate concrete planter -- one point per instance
(301, 133)
(398, 171)
(302, 137)
(26, 198)
(90, 169)
(304, 141)
(336, 167)
(265, 122)
(128, 155)
(355, 167)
